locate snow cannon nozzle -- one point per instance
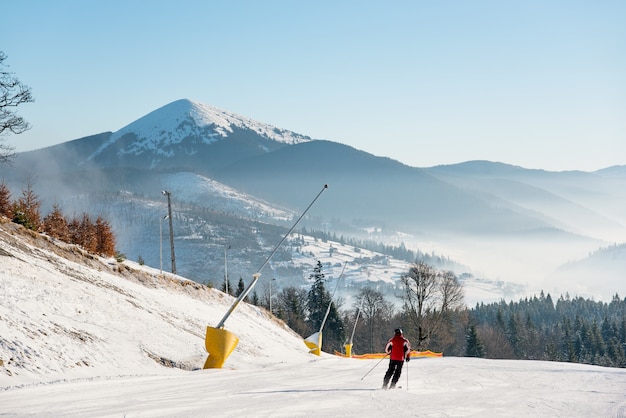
(219, 343)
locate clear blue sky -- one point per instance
(540, 84)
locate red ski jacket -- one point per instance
(398, 347)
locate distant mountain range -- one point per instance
(214, 160)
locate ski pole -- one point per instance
(375, 366)
(407, 373)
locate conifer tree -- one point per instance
(26, 209)
(318, 298)
(5, 201)
(474, 347)
(255, 299)
(104, 237)
(55, 225)
(225, 284)
(241, 286)
(318, 302)
(514, 334)
(88, 235)
(291, 307)
(73, 226)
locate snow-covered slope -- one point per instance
(88, 316)
(201, 190)
(82, 337)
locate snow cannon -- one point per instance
(220, 343)
(348, 348)
(314, 343)
(348, 345)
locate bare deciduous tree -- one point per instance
(12, 94)
(495, 342)
(376, 313)
(429, 297)
(291, 307)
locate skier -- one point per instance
(399, 349)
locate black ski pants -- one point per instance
(395, 368)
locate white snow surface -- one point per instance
(82, 336)
(172, 123)
(194, 188)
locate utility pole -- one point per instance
(169, 215)
(161, 242)
(226, 270)
(271, 296)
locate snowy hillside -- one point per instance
(95, 316)
(582, 272)
(200, 190)
(357, 268)
(82, 336)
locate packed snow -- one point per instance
(82, 336)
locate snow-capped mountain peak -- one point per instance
(164, 128)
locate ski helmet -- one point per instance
(398, 331)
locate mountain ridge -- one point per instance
(468, 210)
(186, 126)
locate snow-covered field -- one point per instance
(88, 337)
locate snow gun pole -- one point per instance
(386, 355)
(356, 320)
(258, 273)
(221, 343)
(332, 297)
(314, 342)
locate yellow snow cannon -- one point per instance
(348, 345)
(219, 342)
(348, 348)
(314, 343)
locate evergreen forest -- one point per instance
(574, 330)
(433, 317)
